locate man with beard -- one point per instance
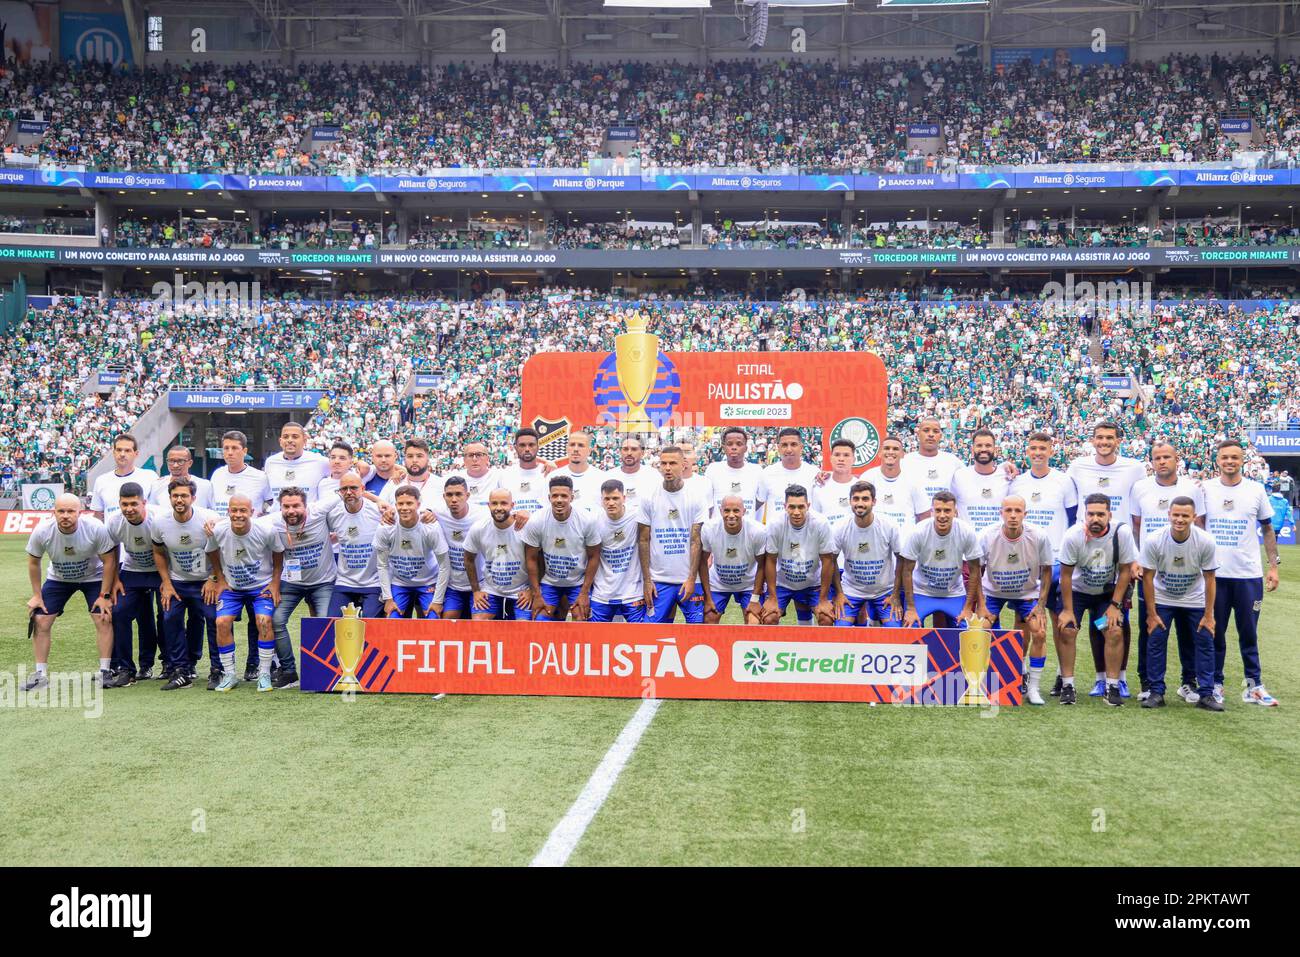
(494, 564)
(417, 475)
(981, 486)
(898, 497)
(136, 588)
(867, 587)
(354, 522)
(639, 481)
(307, 574)
(559, 542)
(187, 588)
(411, 556)
(526, 479)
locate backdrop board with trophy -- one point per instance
(638, 388)
(904, 666)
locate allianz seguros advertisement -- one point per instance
(639, 388)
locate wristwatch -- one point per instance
(1115, 604)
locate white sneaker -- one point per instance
(1143, 695)
(1188, 694)
(1034, 696)
(1218, 693)
(1256, 694)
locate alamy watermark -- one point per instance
(1100, 298)
(236, 297)
(77, 690)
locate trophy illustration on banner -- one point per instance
(976, 649)
(349, 642)
(636, 357)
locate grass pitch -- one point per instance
(292, 778)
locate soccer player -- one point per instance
(383, 455)
(696, 483)
(930, 565)
(639, 481)
(1051, 504)
(1114, 476)
(1178, 566)
(412, 559)
(800, 562)
(1097, 557)
(248, 562)
(1017, 560)
(494, 562)
(929, 466)
(354, 523)
(565, 539)
(188, 589)
(295, 465)
(136, 589)
(341, 460)
(1234, 505)
(868, 588)
(1151, 498)
(982, 486)
(479, 475)
(898, 498)
(831, 499)
(526, 479)
(615, 580)
(457, 518)
(308, 572)
(107, 491)
(179, 462)
(734, 475)
(83, 558)
(789, 470)
(416, 474)
(587, 479)
(237, 477)
(669, 544)
(735, 548)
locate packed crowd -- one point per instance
(615, 236)
(756, 115)
(1206, 371)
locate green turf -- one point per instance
(191, 777)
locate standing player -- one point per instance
(695, 481)
(479, 475)
(898, 497)
(188, 589)
(308, 571)
(340, 461)
(1234, 506)
(384, 456)
(1114, 476)
(83, 558)
(1051, 504)
(615, 580)
(565, 540)
(237, 477)
(832, 498)
(790, 470)
(136, 588)
(526, 479)
(354, 523)
(587, 479)
(106, 494)
(1097, 557)
(929, 466)
(179, 462)
(737, 546)
(1017, 561)
(417, 474)
(248, 562)
(1151, 499)
(494, 562)
(457, 519)
(669, 545)
(982, 486)
(931, 559)
(734, 475)
(800, 562)
(295, 465)
(868, 587)
(1178, 566)
(412, 559)
(639, 481)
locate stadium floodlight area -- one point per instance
(661, 4)
(933, 3)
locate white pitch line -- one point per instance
(560, 845)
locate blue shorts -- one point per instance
(235, 600)
(1023, 607)
(458, 601)
(504, 609)
(633, 612)
(367, 599)
(877, 610)
(551, 595)
(1094, 606)
(927, 606)
(721, 599)
(55, 594)
(409, 598)
(666, 604)
(800, 596)
(1054, 602)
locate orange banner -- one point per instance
(20, 523)
(883, 665)
(843, 393)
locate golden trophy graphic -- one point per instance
(976, 649)
(349, 641)
(636, 362)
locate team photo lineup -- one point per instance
(167, 563)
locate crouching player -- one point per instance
(867, 587)
(494, 564)
(1017, 561)
(738, 546)
(248, 562)
(411, 556)
(614, 580)
(801, 562)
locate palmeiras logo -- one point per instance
(756, 661)
(612, 404)
(863, 435)
(42, 499)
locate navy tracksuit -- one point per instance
(1238, 598)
